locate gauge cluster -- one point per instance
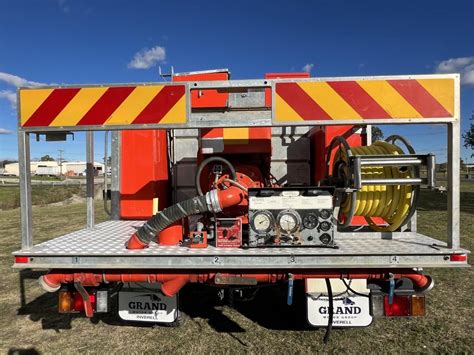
(290, 216)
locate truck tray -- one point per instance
(103, 248)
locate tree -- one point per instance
(377, 134)
(469, 136)
(46, 158)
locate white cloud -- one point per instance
(17, 81)
(5, 131)
(307, 67)
(10, 96)
(147, 58)
(463, 65)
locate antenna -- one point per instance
(164, 75)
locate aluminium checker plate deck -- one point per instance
(103, 247)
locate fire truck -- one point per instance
(239, 184)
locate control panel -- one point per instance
(290, 216)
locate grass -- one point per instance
(46, 178)
(266, 325)
(40, 195)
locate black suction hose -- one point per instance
(147, 232)
(206, 162)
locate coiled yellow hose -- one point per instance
(390, 202)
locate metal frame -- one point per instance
(254, 118)
(90, 178)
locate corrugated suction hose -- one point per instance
(213, 201)
(393, 203)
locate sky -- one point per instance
(87, 42)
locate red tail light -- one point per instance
(404, 306)
(400, 306)
(458, 257)
(22, 259)
(79, 302)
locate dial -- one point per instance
(325, 214)
(262, 222)
(325, 226)
(310, 221)
(325, 238)
(289, 221)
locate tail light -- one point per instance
(102, 301)
(72, 302)
(458, 257)
(20, 259)
(66, 302)
(401, 306)
(404, 306)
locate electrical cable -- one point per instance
(354, 292)
(330, 313)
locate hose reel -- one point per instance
(379, 180)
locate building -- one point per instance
(70, 168)
(14, 169)
(79, 167)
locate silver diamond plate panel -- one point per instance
(108, 239)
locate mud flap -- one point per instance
(139, 304)
(350, 309)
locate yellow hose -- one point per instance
(390, 202)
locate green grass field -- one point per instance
(40, 195)
(266, 325)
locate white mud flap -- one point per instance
(350, 310)
(147, 305)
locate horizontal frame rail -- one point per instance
(294, 102)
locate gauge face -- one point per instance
(262, 222)
(325, 226)
(289, 221)
(310, 221)
(325, 214)
(325, 238)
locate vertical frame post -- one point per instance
(454, 156)
(25, 190)
(115, 176)
(90, 178)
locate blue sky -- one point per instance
(66, 41)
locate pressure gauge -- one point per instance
(325, 214)
(262, 221)
(310, 221)
(325, 226)
(289, 221)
